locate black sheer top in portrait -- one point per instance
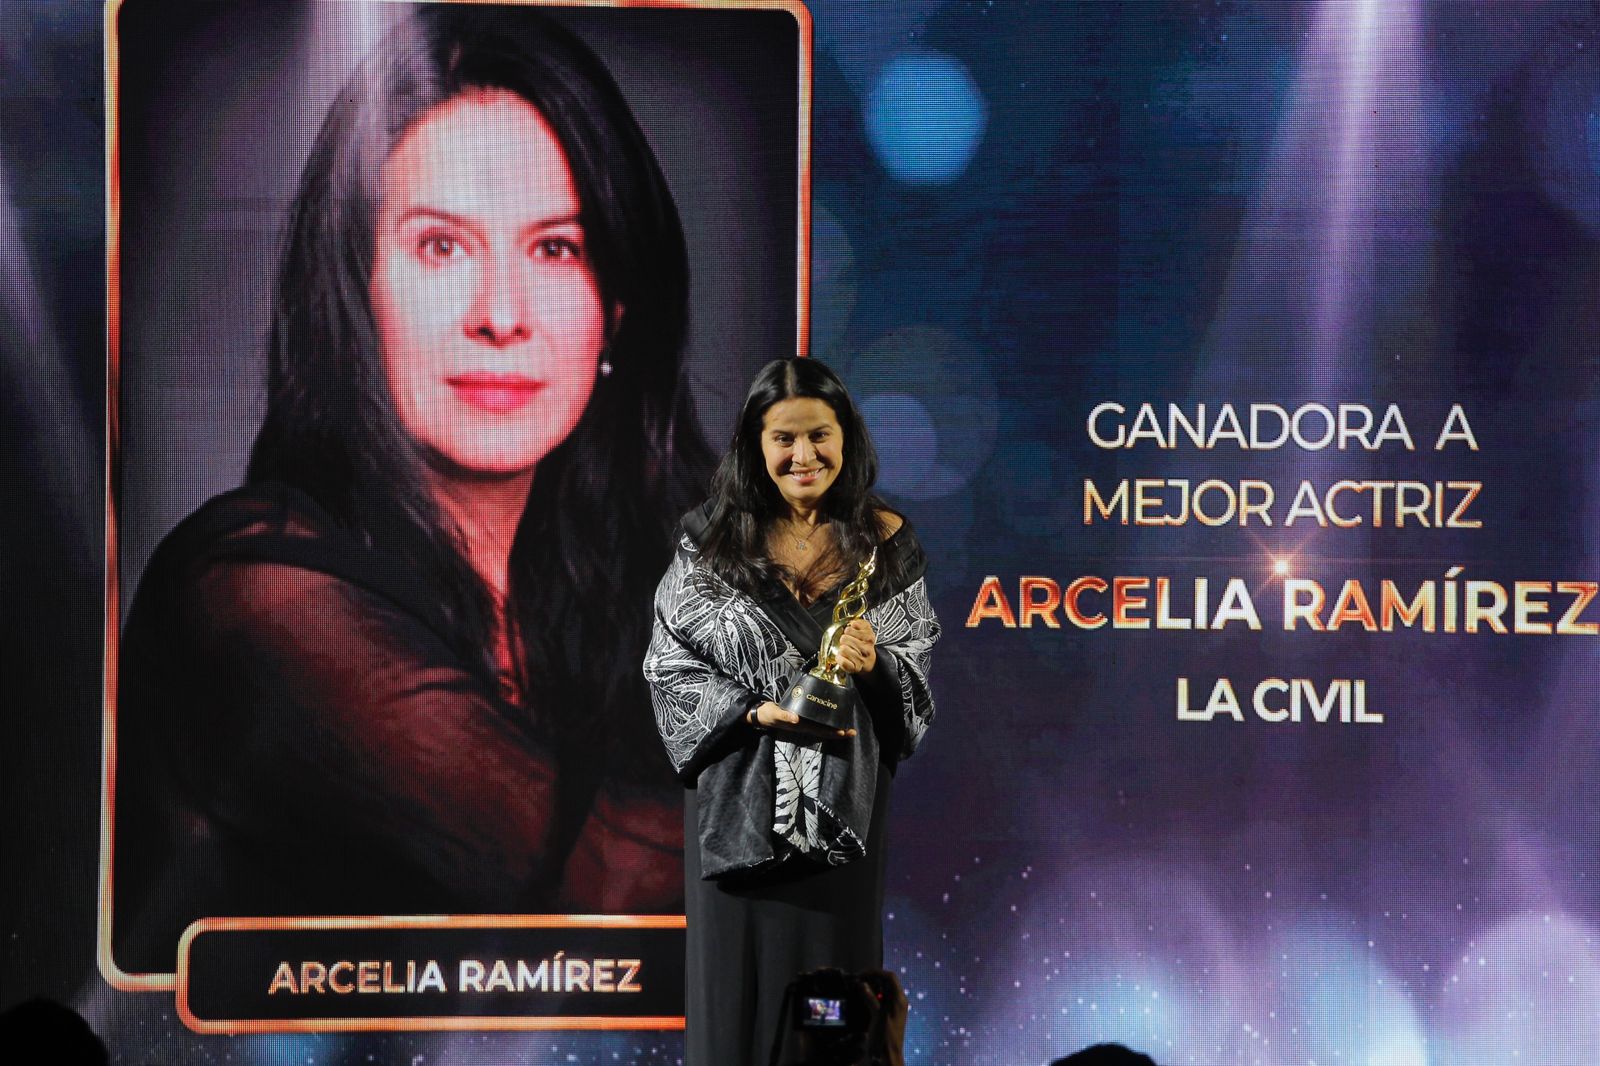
(295, 736)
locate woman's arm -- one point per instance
(699, 710)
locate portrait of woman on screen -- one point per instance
(394, 672)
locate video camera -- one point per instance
(841, 1019)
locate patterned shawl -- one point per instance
(717, 652)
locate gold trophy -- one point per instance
(825, 695)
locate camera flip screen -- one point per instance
(824, 1013)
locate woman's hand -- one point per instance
(771, 716)
(858, 647)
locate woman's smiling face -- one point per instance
(487, 308)
(803, 448)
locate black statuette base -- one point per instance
(820, 700)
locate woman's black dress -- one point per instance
(296, 734)
(790, 833)
(750, 939)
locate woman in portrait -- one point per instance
(784, 867)
(392, 673)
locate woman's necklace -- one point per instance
(803, 544)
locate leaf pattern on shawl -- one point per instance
(792, 821)
(713, 651)
(907, 628)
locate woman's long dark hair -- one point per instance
(745, 502)
(596, 532)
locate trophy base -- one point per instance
(819, 700)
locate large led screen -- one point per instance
(1235, 363)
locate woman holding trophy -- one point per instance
(793, 562)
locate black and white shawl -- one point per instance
(717, 652)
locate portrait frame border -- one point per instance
(176, 981)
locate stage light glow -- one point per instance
(1343, 1004)
(1345, 184)
(1138, 953)
(32, 363)
(340, 35)
(1128, 1000)
(1280, 567)
(1526, 991)
(925, 117)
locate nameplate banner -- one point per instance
(495, 972)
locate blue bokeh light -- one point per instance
(906, 438)
(834, 281)
(925, 117)
(294, 1049)
(932, 407)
